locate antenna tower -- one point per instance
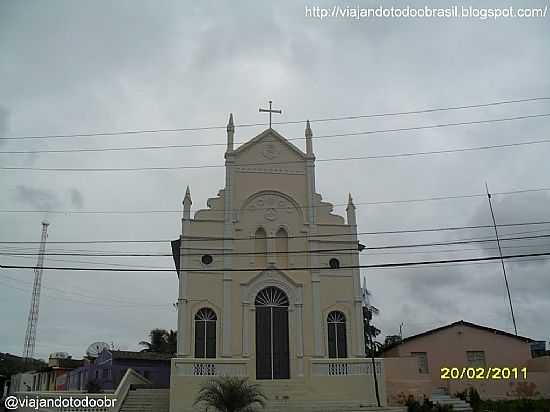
(32, 322)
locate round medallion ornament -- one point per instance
(270, 151)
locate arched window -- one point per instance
(205, 333)
(281, 247)
(260, 248)
(337, 342)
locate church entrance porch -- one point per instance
(272, 349)
(327, 384)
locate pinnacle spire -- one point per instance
(350, 201)
(350, 209)
(187, 202)
(230, 133)
(309, 135)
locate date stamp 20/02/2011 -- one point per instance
(489, 373)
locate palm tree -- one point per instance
(157, 342)
(171, 341)
(231, 394)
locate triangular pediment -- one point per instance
(272, 136)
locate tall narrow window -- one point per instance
(281, 247)
(205, 333)
(337, 340)
(260, 248)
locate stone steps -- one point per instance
(147, 400)
(457, 404)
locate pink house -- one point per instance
(463, 354)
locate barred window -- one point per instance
(476, 358)
(422, 361)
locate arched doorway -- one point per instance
(272, 351)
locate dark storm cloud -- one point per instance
(3, 122)
(37, 198)
(77, 199)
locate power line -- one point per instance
(100, 253)
(279, 163)
(206, 250)
(371, 266)
(248, 238)
(379, 202)
(326, 119)
(69, 297)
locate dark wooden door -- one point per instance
(263, 342)
(272, 348)
(281, 355)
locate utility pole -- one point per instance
(501, 259)
(32, 322)
(367, 315)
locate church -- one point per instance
(269, 284)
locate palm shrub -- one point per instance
(231, 394)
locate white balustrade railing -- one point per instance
(210, 367)
(345, 367)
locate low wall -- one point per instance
(402, 380)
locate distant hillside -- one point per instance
(12, 364)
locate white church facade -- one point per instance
(268, 283)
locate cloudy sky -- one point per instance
(84, 67)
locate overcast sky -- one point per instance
(72, 67)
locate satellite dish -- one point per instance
(96, 348)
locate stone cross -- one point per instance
(270, 111)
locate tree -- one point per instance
(161, 341)
(370, 331)
(231, 394)
(172, 341)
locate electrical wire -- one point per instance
(248, 238)
(319, 268)
(255, 253)
(326, 119)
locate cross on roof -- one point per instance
(270, 111)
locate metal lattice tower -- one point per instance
(32, 322)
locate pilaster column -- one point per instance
(246, 329)
(359, 341)
(317, 320)
(300, 338)
(182, 338)
(227, 257)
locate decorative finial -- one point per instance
(350, 209)
(187, 202)
(309, 143)
(350, 200)
(230, 133)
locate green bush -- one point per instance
(515, 405)
(426, 406)
(231, 394)
(471, 396)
